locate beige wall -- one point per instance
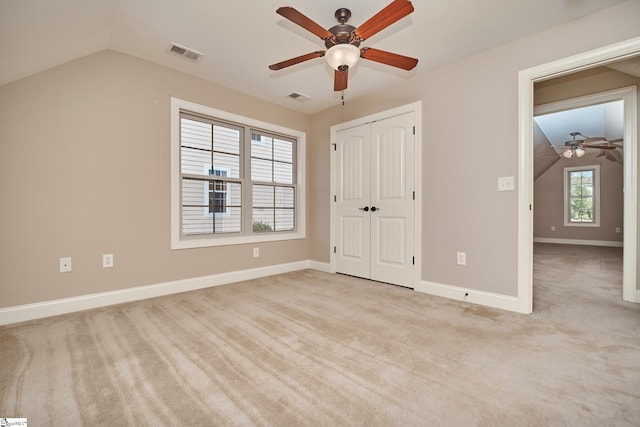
(549, 202)
(84, 167)
(470, 138)
(85, 170)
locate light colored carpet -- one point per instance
(315, 349)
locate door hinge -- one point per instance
(414, 130)
(529, 206)
(413, 261)
(414, 195)
(335, 199)
(334, 249)
(335, 146)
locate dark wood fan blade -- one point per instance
(388, 58)
(393, 12)
(298, 18)
(594, 139)
(296, 60)
(340, 80)
(599, 147)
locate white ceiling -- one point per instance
(600, 120)
(241, 38)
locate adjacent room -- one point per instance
(319, 213)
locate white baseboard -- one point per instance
(488, 299)
(613, 244)
(325, 267)
(39, 310)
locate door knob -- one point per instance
(366, 209)
(373, 209)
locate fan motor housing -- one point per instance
(342, 31)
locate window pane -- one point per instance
(195, 192)
(263, 196)
(283, 173)
(284, 219)
(284, 197)
(195, 134)
(262, 220)
(261, 170)
(581, 200)
(195, 221)
(230, 222)
(261, 146)
(229, 163)
(226, 140)
(196, 162)
(283, 150)
(211, 206)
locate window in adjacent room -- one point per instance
(234, 180)
(582, 196)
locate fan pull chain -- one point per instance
(342, 97)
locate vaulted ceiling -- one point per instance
(240, 39)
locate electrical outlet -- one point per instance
(553, 228)
(256, 252)
(618, 229)
(462, 258)
(65, 265)
(107, 260)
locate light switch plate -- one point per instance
(506, 183)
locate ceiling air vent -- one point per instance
(185, 52)
(299, 97)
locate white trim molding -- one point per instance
(612, 244)
(22, 313)
(503, 302)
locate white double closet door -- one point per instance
(375, 200)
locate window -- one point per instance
(582, 196)
(234, 180)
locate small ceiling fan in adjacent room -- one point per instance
(577, 147)
(343, 40)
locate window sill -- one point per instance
(203, 242)
(581, 224)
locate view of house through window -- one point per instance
(581, 195)
(272, 178)
(224, 193)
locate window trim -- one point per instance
(184, 242)
(596, 196)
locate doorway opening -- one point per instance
(578, 155)
(526, 80)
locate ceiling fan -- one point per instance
(343, 40)
(576, 147)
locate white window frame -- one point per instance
(185, 242)
(596, 196)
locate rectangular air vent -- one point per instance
(185, 52)
(299, 97)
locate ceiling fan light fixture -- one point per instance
(567, 153)
(579, 152)
(341, 55)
